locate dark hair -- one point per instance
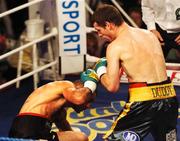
(134, 9)
(107, 13)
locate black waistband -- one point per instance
(141, 84)
(33, 114)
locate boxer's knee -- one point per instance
(82, 137)
(72, 136)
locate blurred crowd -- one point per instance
(134, 10)
(12, 26)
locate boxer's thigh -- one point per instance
(72, 136)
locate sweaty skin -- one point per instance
(49, 101)
(49, 98)
(137, 51)
(46, 99)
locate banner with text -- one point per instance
(72, 34)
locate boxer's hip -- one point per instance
(30, 126)
(144, 92)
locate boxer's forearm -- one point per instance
(63, 125)
(108, 84)
(59, 118)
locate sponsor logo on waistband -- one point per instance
(162, 91)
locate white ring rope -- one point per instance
(175, 74)
(173, 64)
(20, 7)
(90, 29)
(120, 9)
(171, 73)
(89, 8)
(28, 74)
(124, 13)
(51, 34)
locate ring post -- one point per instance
(72, 35)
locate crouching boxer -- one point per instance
(46, 105)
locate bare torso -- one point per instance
(140, 55)
(46, 99)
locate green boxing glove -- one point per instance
(90, 79)
(100, 67)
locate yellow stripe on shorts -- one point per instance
(124, 113)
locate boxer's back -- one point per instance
(142, 45)
(46, 99)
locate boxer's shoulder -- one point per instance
(63, 83)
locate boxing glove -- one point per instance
(90, 79)
(100, 67)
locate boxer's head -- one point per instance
(78, 84)
(107, 13)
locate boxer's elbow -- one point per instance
(79, 100)
(110, 84)
(112, 87)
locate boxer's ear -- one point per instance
(109, 25)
